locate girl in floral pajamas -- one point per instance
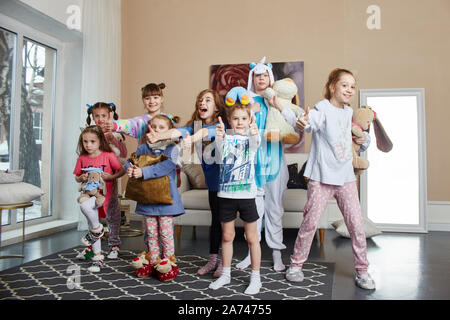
(330, 171)
(158, 218)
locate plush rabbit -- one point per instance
(362, 118)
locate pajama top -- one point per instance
(106, 161)
(236, 155)
(330, 157)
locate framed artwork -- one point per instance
(223, 77)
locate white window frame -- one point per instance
(24, 31)
(419, 93)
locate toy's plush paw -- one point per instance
(360, 163)
(273, 136)
(290, 138)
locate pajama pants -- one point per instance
(90, 211)
(113, 219)
(159, 232)
(348, 202)
(269, 203)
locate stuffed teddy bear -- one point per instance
(92, 186)
(142, 265)
(277, 127)
(166, 269)
(362, 118)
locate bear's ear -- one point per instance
(252, 65)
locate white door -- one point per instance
(394, 187)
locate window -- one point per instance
(26, 113)
(8, 42)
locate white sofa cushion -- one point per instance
(196, 199)
(294, 200)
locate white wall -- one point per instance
(54, 8)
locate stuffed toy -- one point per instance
(277, 127)
(142, 265)
(92, 187)
(362, 118)
(166, 269)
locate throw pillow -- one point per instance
(11, 176)
(195, 175)
(21, 192)
(370, 229)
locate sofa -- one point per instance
(195, 201)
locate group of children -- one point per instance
(243, 174)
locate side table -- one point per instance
(11, 207)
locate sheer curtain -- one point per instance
(101, 76)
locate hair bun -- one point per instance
(162, 85)
(176, 119)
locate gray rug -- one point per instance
(62, 277)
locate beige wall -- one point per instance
(176, 41)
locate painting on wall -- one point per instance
(223, 77)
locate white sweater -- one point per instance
(330, 157)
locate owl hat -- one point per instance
(259, 68)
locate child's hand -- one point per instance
(82, 177)
(274, 103)
(108, 124)
(359, 140)
(134, 172)
(106, 176)
(152, 136)
(253, 127)
(137, 173)
(186, 142)
(186, 146)
(130, 171)
(256, 107)
(220, 129)
(303, 121)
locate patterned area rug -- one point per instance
(62, 277)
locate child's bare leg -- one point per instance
(228, 234)
(255, 256)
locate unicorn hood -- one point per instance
(258, 68)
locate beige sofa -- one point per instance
(196, 204)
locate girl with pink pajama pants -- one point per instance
(159, 231)
(348, 202)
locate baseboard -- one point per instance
(36, 231)
(438, 215)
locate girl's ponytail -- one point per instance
(113, 109)
(89, 112)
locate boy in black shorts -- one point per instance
(236, 151)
